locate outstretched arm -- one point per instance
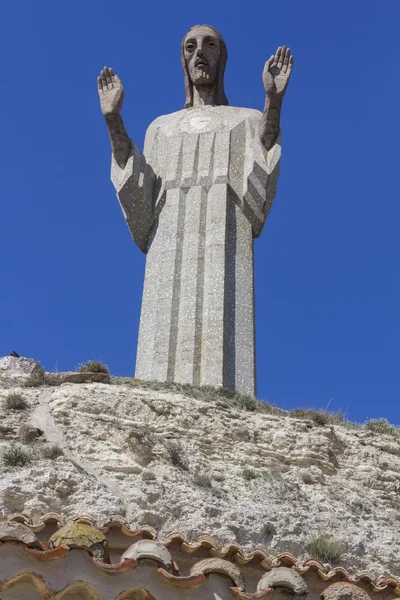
(111, 93)
(276, 76)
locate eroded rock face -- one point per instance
(17, 367)
(204, 467)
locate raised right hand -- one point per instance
(111, 92)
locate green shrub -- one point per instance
(16, 456)
(94, 366)
(326, 548)
(382, 426)
(52, 452)
(37, 377)
(15, 402)
(249, 474)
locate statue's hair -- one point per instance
(220, 98)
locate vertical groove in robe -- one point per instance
(148, 315)
(192, 265)
(212, 336)
(200, 291)
(165, 248)
(244, 306)
(176, 287)
(230, 292)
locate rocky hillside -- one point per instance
(201, 465)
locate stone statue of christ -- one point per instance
(194, 201)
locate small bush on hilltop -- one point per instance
(326, 548)
(204, 392)
(321, 417)
(94, 366)
(382, 426)
(16, 456)
(37, 377)
(15, 402)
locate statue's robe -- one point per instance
(193, 202)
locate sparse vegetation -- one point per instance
(382, 426)
(16, 456)
(307, 479)
(227, 398)
(141, 442)
(202, 480)
(177, 456)
(249, 474)
(15, 402)
(94, 366)
(28, 434)
(148, 476)
(326, 548)
(321, 417)
(37, 377)
(52, 452)
(204, 392)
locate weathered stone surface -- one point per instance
(149, 549)
(79, 377)
(285, 578)
(19, 533)
(80, 535)
(17, 367)
(344, 591)
(270, 481)
(214, 197)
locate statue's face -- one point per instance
(202, 52)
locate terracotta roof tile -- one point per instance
(225, 559)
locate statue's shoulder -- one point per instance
(165, 119)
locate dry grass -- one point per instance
(94, 366)
(37, 377)
(148, 476)
(28, 434)
(52, 452)
(15, 402)
(177, 455)
(202, 480)
(326, 548)
(16, 456)
(204, 392)
(322, 417)
(141, 442)
(249, 474)
(382, 426)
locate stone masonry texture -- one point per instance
(194, 201)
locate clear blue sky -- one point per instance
(327, 264)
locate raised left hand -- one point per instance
(277, 71)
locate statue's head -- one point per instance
(203, 56)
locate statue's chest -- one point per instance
(201, 146)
